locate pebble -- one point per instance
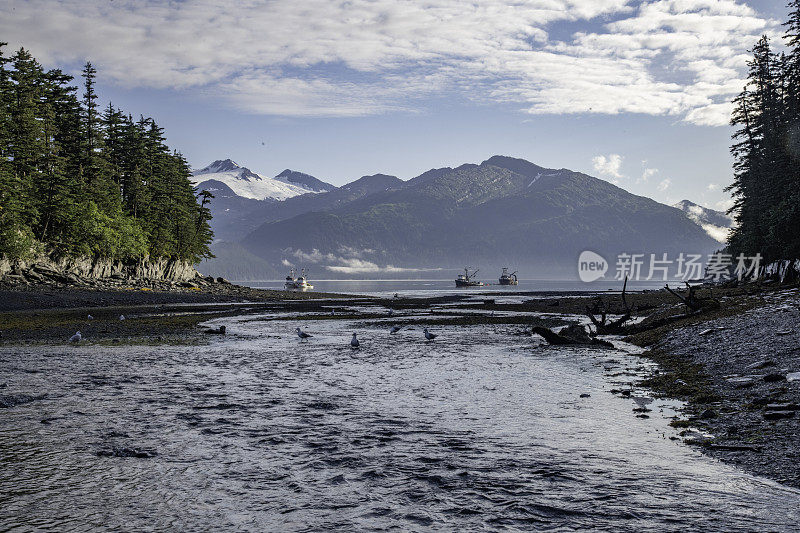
(782, 407)
(585, 395)
(777, 415)
(764, 363)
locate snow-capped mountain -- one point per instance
(716, 223)
(247, 184)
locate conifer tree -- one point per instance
(80, 182)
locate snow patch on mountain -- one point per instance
(715, 223)
(247, 184)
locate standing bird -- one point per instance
(428, 335)
(395, 329)
(122, 317)
(76, 338)
(303, 334)
(391, 312)
(354, 342)
(89, 317)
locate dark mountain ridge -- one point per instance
(502, 212)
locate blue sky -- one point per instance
(635, 92)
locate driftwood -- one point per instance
(571, 335)
(695, 305)
(615, 327)
(691, 301)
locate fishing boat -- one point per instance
(466, 279)
(297, 283)
(290, 281)
(508, 279)
(301, 284)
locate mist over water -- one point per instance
(480, 429)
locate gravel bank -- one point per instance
(742, 375)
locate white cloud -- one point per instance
(684, 58)
(608, 165)
(647, 173)
(724, 205)
(664, 184)
(315, 256)
(712, 187)
(349, 262)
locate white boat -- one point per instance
(297, 284)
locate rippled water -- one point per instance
(478, 430)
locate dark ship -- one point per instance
(508, 279)
(465, 279)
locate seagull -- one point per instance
(428, 335)
(354, 342)
(303, 334)
(395, 329)
(122, 317)
(76, 338)
(90, 317)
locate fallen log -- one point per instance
(571, 335)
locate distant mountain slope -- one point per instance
(247, 184)
(716, 223)
(307, 203)
(304, 180)
(503, 212)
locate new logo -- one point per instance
(591, 266)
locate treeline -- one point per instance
(87, 181)
(766, 151)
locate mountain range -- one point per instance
(501, 212)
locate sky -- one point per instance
(636, 92)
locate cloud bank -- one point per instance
(682, 58)
(348, 261)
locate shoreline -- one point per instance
(47, 313)
(738, 370)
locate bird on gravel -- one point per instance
(354, 342)
(122, 317)
(395, 329)
(302, 334)
(90, 317)
(76, 338)
(428, 335)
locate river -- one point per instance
(480, 429)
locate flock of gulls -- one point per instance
(354, 343)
